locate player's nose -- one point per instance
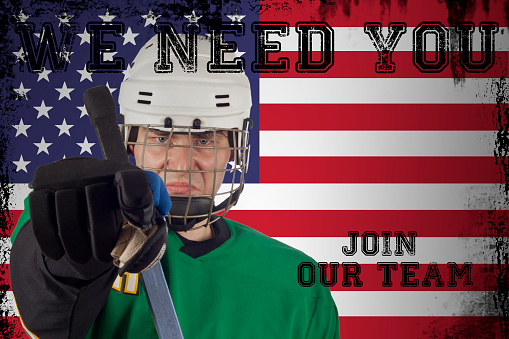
(179, 158)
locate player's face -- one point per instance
(179, 164)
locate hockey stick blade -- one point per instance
(100, 106)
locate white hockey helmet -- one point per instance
(190, 103)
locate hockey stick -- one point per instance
(101, 111)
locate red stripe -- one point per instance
(421, 117)
(378, 327)
(339, 223)
(12, 328)
(421, 327)
(323, 170)
(5, 278)
(475, 223)
(356, 13)
(14, 216)
(361, 64)
(483, 278)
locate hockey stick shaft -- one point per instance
(101, 111)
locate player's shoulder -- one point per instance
(255, 241)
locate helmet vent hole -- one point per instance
(146, 102)
(222, 104)
(222, 96)
(149, 94)
(149, 46)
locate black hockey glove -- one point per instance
(81, 206)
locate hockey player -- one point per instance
(189, 132)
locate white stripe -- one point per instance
(8, 306)
(376, 143)
(371, 197)
(477, 250)
(20, 192)
(354, 39)
(354, 196)
(377, 91)
(441, 250)
(415, 303)
(386, 303)
(5, 249)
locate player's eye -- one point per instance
(203, 142)
(161, 140)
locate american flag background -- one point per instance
(342, 151)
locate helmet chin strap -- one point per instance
(197, 207)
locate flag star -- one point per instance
(21, 91)
(127, 72)
(108, 56)
(44, 75)
(21, 17)
(150, 18)
(38, 35)
(64, 91)
(64, 18)
(20, 55)
(64, 128)
(43, 146)
(129, 36)
(83, 110)
(21, 165)
(21, 128)
(64, 54)
(43, 110)
(107, 17)
(111, 89)
(236, 17)
(85, 74)
(238, 54)
(193, 18)
(85, 37)
(85, 146)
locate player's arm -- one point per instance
(325, 321)
(61, 264)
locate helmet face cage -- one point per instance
(187, 207)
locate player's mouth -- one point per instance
(180, 188)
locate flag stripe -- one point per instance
(356, 13)
(418, 117)
(338, 223)
(382, 303)
(376, 90)
(354, 39)
(327, 223)
(377, 143)
(15, 328)
(415, 303)
(422, 327)
(354, 64)
(430, 249)
(312, 197)
(426, 250)
(5, 277)
(393, 327)
(380, 170)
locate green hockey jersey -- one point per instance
(245, 288)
